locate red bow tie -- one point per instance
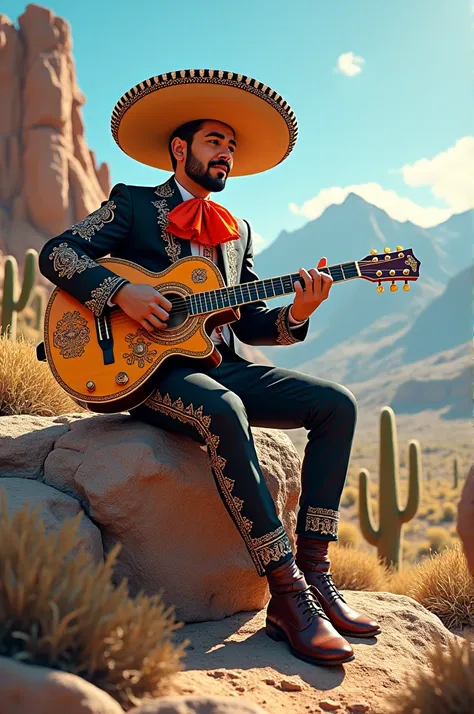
(204, 221)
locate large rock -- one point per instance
(29, 689)
(48, 176)
(235, 657)
(54, 508)
(154, 492)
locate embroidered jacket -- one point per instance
(131, 225)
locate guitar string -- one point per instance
(267, 280)
(184, 309)
(325, 271)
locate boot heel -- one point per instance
(273, 631)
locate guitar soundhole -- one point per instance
(179, 311)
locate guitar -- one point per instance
(105, 363)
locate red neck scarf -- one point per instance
(204, 221)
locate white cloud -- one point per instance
(349, 64)
(259, 242)
(448, 174)
(402, 209)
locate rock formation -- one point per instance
(48, 176)
(154, 492)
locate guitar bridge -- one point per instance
(105, 338)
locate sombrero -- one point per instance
(265, 126)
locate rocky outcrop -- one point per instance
(54, 508)
(234, 657)
(232, 667)
(40, 690)
(48, 176)
(154, 492)
(30, 689)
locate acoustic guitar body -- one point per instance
(110, 364)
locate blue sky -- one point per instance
(411, 99)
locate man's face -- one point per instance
(210, 158)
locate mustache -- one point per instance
(224, 164)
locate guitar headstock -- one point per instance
(390, 266)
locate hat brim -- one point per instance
(264, 124)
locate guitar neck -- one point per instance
(237, 295)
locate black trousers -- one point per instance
(216, 407)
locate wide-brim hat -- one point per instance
(145, 117)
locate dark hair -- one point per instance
(185, 132)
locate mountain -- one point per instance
(444, 324)
(348, 232)
(426, 364)
(441, 382)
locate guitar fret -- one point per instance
(336, 272)
(255, 290)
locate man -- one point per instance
(206, 125)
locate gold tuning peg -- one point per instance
(373, 252)
(399, 247)
(393, 288)
(406, 287)
(386, 250)
(380, 288)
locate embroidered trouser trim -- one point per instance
(322, 520)
(264, 550)
(238, 394)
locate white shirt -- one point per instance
(204, 250)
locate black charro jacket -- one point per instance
(131, 225)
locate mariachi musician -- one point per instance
(204, 126)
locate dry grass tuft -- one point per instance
(450, 512)
(400, 581)
(442, 583)
(64, 612)
(26, 385)
(349, 496)
(448, 688)
(438, 538)
(348, 534)
(353, 570)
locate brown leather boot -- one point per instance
(295, 617)
(312, 558)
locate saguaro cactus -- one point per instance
(38, 304)
(455, 473)
(388, 537)
(11, 304)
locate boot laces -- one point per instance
(313, 608)
(330, 590)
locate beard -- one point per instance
(201, 175)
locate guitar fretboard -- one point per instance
(236, 295)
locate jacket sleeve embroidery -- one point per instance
(66, 261)
(94, 221)
(284, 334)
(101, 294)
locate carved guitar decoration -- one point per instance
(105, 363)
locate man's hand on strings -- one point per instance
(316, 290)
